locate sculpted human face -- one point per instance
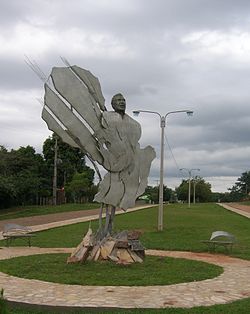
(119, 103)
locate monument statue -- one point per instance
(74, 108)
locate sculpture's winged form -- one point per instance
(74, 108)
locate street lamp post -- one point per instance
(194, 189)
(162, 126)
(189, 181)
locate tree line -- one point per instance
(26, 176)
(240, 191)
(201, 191)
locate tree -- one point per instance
(7, 188)
(30, 174)
(70, 160)
(80, 186)
(241, 188)
(7, 192)
(3, 157)
(72, 172)
(203, 191)
(153, 193)
(23, 176)
(243, 183)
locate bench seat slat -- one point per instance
(14, 231)
(220, 238)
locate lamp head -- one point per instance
(136, 113)
(190, 113)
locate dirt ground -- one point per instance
(244, 208)
(44, 219)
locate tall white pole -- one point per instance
(189, 183)
(162, 125)
(55, 174)
(160, 212)
(194, 192)
(189, 189)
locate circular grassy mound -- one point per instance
(153, 271)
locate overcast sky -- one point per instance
(163, 55)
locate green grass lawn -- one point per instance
(153, 271)
(183, 230)
(28, 211)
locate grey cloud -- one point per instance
(142, 15)
(11, 12)
(15, 74)
(154, 67)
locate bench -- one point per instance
(220, 238)
(14, 231)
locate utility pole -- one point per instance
(194, 188)
(55, 173)
(189, 182)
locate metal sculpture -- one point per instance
(74, 108)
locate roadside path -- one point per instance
(242, 210)
(44, 222)
(44, 219)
